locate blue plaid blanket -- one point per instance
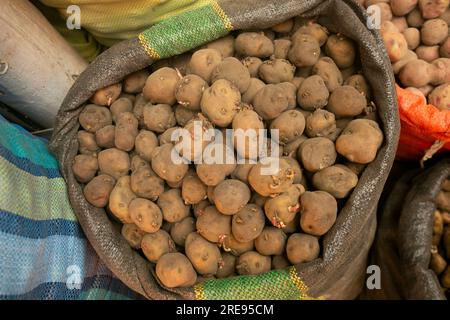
(44, 253)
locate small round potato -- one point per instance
(320, 123)
(233, 70)
(360, 140)
(146, 184)
(120, 198)
(254, 44)
(329, 72)
(318, 212)
(270, 101)
(341, 49)
(87, 143)
(359, 82)
(105, 136)
(305, 51)
(126, 131)
(114, 162)
(97, 191)
(313, 93)
(137, 162)
(319, 32)
(85, 167)
(164, 166)
(230, 196)
(119, 106)
(172, 206)
(145, 143)
(284, 27)
(302, 248)
(241, 172)
(189, 91)
(203, 62)
(271, 241)
(281, 48)
(434, 32)
(317, 154)
(252, 64)
(193, 190)
(213, 225)
(106, 96)
(204, 255)
(166, 136)
(346, 102)
(272, 177)
(290, 125)
(252, 262)
(160, 86)
(181, 229)
(282, 209)
(145, 214)
(159, 117)
(94, 117)
(133, 235)
(156, 245)
(338, 180)
(248, 223)
(276, 70)
(175, 270)
(236, 248)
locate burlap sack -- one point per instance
(402, 248)
(340, 272)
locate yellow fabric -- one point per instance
(110, 21)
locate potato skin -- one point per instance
(432, 9)
(255, 85)
(270, 101)
(230, 196)
(120, 198)
(172, 206)
(278, 182)
(313, 93)
(84, 167)
(146, 184)
(281, 48)
(126, 131)
(318, 212)
(253, 44)
(360, 140)
(329, 72)
(346, 101)
(301, 248)
(213, 225)
(145, 214)
(163, 165)
(105, 136)
(204, 255)
(434, 32)
(119, 106)
(193, 190)
(203, 62)
(181, 229)
(305, 51)
(248, 223)
(341, 50)
(133, 235)
(175, 270)
(271, 241)
(97, 191)
(236, 248)
(251, 263)
(220, 102)
(319, 32)
(282, 209)
(160, 86)
(189, 91)
(157, 244)
(233, 70)
(320, 123)
(145, 143)
(252, 64)
(396, 45)
(440, 97)
(317, 154)
(338, 180)
(412, 37)
(94, 117)
(87, 143)
(402, 7)
(159, 117)
(290, 125)
(276, 70)
(114, 162)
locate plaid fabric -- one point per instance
(44, 253)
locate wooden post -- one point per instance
(37, 66)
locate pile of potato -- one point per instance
(440, 246)
(218, 220)
(416, 36)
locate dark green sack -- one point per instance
(340, 272)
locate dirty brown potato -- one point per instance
(194, 138)
(145, 214)
(248, 223)
(359, 82)
(412, 37)
(281, 48)
(160, 86)
(320, 123)
(105, 136)
(220, 102)
(172, 205)
(295, 166)
(270, 101)
(233, 70)
(236, 248)
(254, 44)
(159, 117)
(274, 71)
(346, 102)
(290, 125)
(313, 93)
(329, 72)
(135, 82)
(181, 229)
(126, 131)
(431, 9)
(320, 33)
(146, 184)
(360, 140)
(94, 117)
(282, 209)
(87, 143)
(193, 190)
(305, 51)
(157, 244)
(338, 180)
(271, 241)
(85, 167)
(317, 154)
(203, 62)
(189, 91)
(163, 165)
(228, 266)
(119, 106)
(301, 248)
(133, 235)
(137, 162)
(204, 255)
(145, 143)
(230, 196)
(251, 263)
(434, 32)
(166, 136)
(247, 125)
(341, 49)
(120, 198)
(318, 212)
(107, 95)
(255, 85)
(175, 270)
(213, 225)
(252, 64)
(97, 191)
(114, 162)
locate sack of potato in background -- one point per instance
(412, 243)
(221, 231)
(416, 36)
